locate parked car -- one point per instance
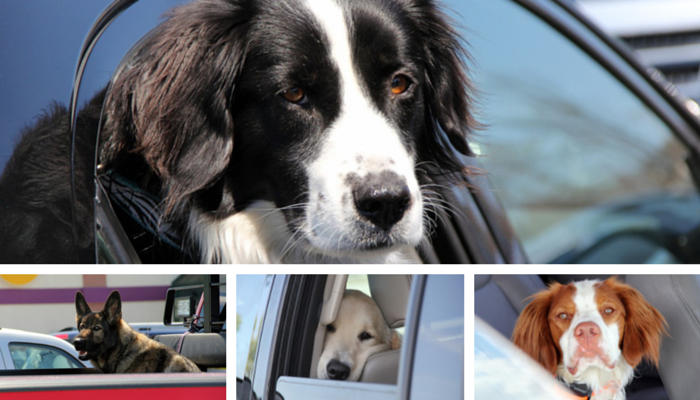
(21, 350)
(587, 157)
(281, 321)
(150, 329)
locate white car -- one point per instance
(21, 350)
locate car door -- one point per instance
(593, 161)
(432, 353)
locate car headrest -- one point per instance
(676, 297)
(391, 292)
(382, 367)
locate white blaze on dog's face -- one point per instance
(358, 331)
(363, 192)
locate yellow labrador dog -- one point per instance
(358, 331)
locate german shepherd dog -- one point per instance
(113, 347)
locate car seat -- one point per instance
(677, 297)
(499, 299)
(207, 350)
(391, 293)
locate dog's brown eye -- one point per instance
(97, 328)
(330, 328)
(364, 336)
(563, 315)
(400, 84)
(295, 95)
(608, 311)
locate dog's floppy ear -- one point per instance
(447, 87)
(644, 325)
(171, 103)
(81, 307)
(113, 308)
(532, 333)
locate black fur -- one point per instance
(42, 219)
(112, 346)
(197, 115)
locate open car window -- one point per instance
(587, 172)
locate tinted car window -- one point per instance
(576, 158)
(35, 356)
(438, 365)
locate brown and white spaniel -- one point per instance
(591, 333)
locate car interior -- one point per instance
(391, 293)
(207, 348)
(499, 299)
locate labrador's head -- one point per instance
(358, 331)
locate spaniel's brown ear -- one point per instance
(172, 102)
(532, 333)
(644, 325)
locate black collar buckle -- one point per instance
(579, 389)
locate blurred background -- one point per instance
(664, 34)
(46, 303)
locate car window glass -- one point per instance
(438, 365)
(249, 298)
(35, 356)
(586, 171)
(358, 282)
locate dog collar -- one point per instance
(580, 390)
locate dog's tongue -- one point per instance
(82, 353)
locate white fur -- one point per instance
(361, 141)
(606, 383)
(358, 313)
(259, 235)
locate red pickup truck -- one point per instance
(208, 385)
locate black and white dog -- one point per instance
(294, 130)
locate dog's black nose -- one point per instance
(79, 344)
(382, 198)
(337, 370)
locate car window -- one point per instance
(585, 170)
(358, 282)
(250, 297)
(438, 364)
(36, 356)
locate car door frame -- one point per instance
(291, 329)
(645, 82)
